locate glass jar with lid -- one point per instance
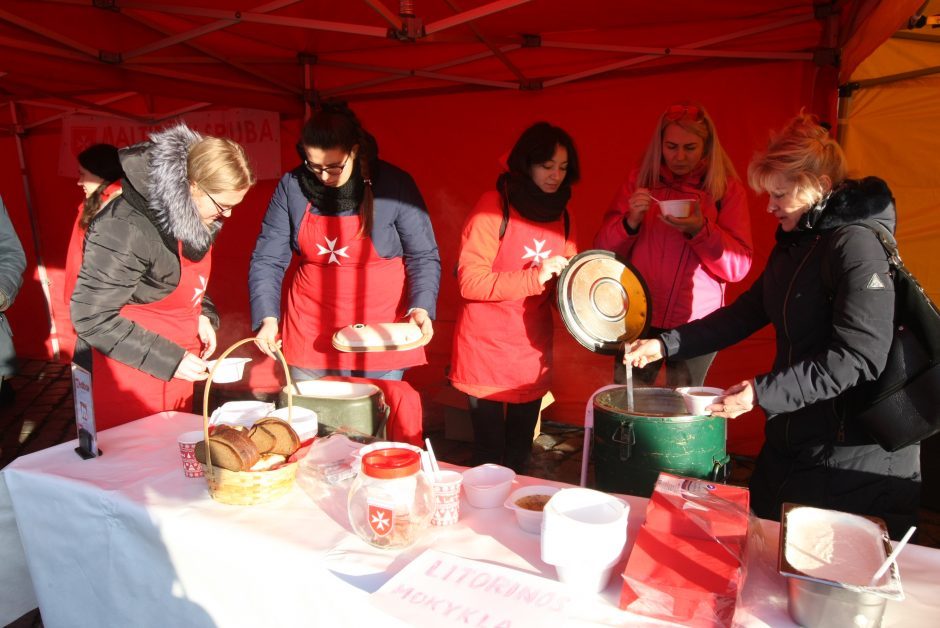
(390, 500)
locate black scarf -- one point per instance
(530, 201)
(331, 201)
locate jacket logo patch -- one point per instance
(875, 283)
(331, 250)
(537, 254)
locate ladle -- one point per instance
(893, 556)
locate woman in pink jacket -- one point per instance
(686, 262)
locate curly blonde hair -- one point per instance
(803, 153)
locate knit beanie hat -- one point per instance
(102, 161)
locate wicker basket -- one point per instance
(246, 488)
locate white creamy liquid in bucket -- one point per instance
(833, 546)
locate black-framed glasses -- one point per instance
(221, 209)
(331, 171)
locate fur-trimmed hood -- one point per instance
(853, 201)
(156, 172)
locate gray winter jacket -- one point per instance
(131, 253)
(12, 265)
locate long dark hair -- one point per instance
(335, 125)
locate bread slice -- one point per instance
(267, 461)
(231, 449)
(263, 438)
(287, 441)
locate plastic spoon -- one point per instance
(893, 556)
(435, 468)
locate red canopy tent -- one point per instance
(445, 85)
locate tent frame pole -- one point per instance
(34, 226)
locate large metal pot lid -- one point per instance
(603, 301)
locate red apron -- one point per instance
(341, 280)
(507, 345)
(123, 393)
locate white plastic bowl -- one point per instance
(529, 520)
(303, 420)
(680, 208)
(697, 398)
(488, 485)
(230, 370)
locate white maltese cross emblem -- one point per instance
(199, 290)
(331, 250)
(537, 254)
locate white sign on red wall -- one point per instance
(259, 132)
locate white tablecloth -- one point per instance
(127, 540)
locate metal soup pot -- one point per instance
(349, 407)
(632, 446)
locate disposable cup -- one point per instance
(187, 446)
(585, 577)
(445, 491)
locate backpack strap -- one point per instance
(505, 222)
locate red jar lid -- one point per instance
(391, 463)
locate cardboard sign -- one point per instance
(84, 413)
(439, 589)
(259, 133)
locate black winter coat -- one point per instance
(828, 292)
(131, 254)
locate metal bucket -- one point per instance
(347, 407)
(631, 447)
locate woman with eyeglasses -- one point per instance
(828, 292)
(140, 299)
(366, 250)
(686, 262)
(99, 176)
(514, 244)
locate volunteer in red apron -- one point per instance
(516, 240)
(99, 176)
(140, 299)
(367, 254)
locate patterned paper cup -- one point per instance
(445, 490)
(187, 443)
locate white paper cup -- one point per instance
(230, 370)
(445, 492)
(697, 398)
(187, 447)
(680, 208)
(583, 577)
(488, 485)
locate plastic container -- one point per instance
(816, 545)
(583, 535)
(697, 398)
(390, 500)
(488, 485)
(228, 370)
(529, 519)
(679, 208)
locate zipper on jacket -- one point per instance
(786, 301)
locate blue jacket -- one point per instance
(12, 265)
(401, 228)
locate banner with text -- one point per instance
(259, 132)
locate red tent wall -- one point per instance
(451, 144)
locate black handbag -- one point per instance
(902, 406)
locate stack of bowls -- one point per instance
(583, 535)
